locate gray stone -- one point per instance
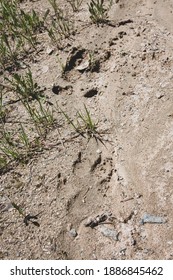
(111, 233)
(147, 218)
(73, 232)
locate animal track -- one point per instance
(106, 171)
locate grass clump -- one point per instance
(75, 4)
(98, 11)
(18, 30)
(84, 124)
(28, 92)
(8, 146)
(41, 115)
(9, 52)
(60, 26)
(16, 145)
(17, 22)
(24, 86)
(30, 95)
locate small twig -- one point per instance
(28, 218)
(127, 199)
(83, 200)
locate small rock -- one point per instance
(83, 66)
(98, 152)
(111, 233)
(73, 233)
(159, 95)
(49, 50)
(147, 218)
(22, 65)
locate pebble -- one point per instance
(83, 66)
(111, 233)
(147, 218)
(49, 50)
(159, 95)
(73, 232)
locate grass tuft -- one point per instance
(75, 4)
(84, 125)
(98, 11)
(24, 86)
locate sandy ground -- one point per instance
(94, 196)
